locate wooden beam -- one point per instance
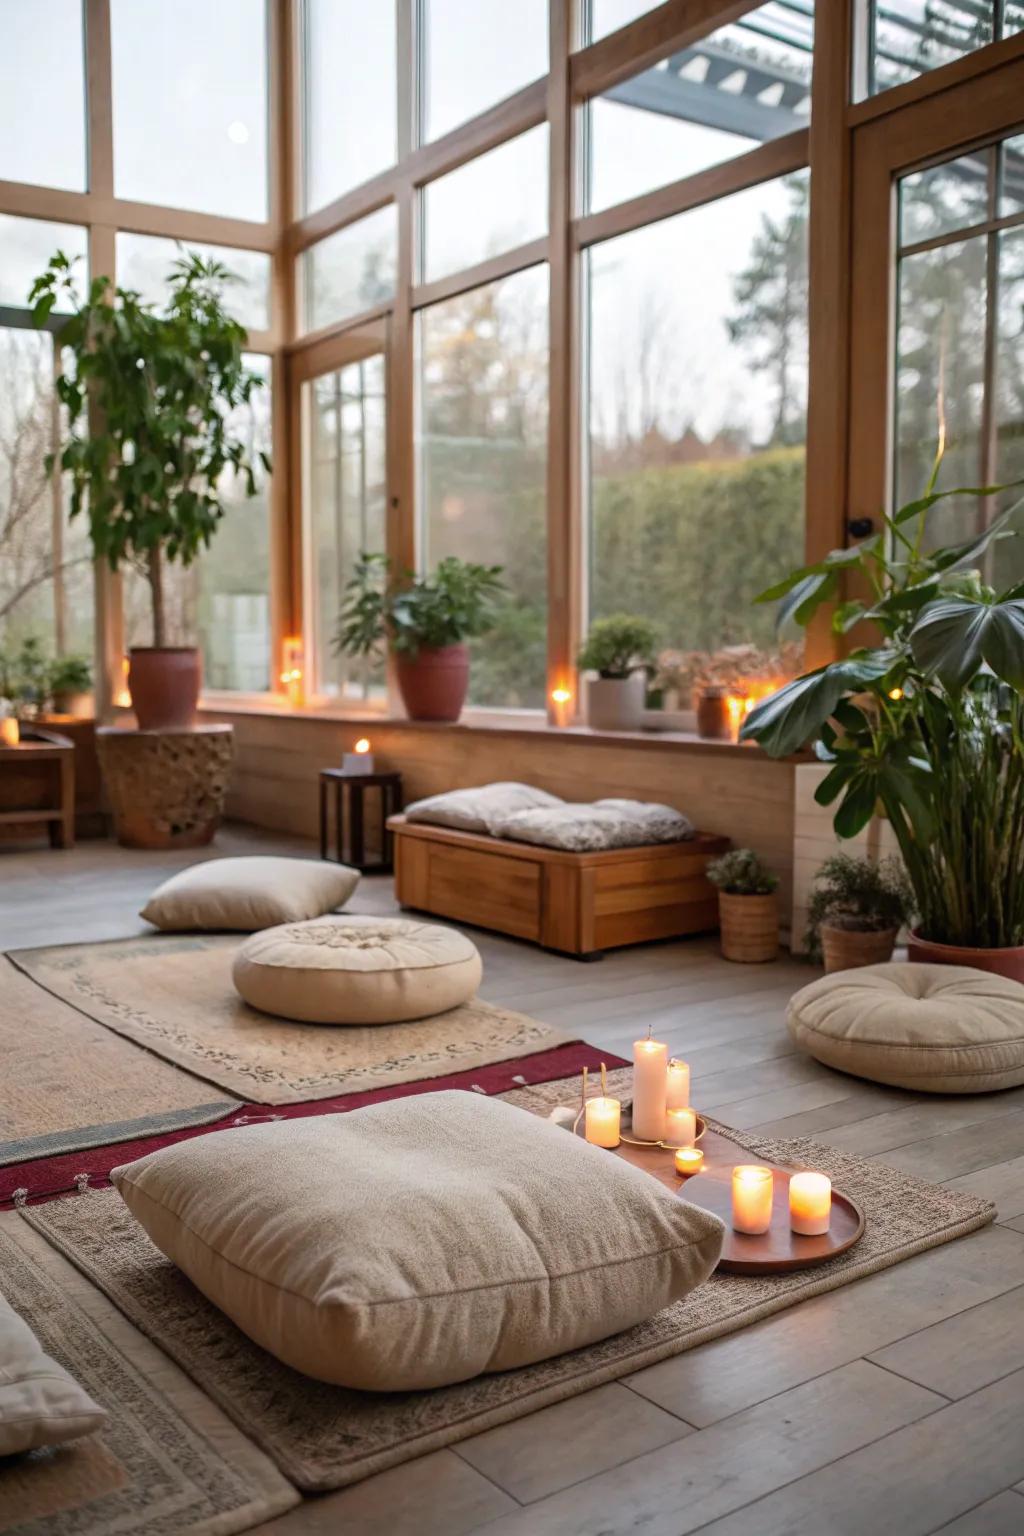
(652, 37)
(934, 81)
(99, 99)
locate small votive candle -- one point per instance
(360, 760)
(680, 1127)
(810, 1203)
(677, 1084)
(752, 1189)
(689, 1160)
(602, 1123)
(10, 733)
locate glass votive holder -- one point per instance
(752, 1189)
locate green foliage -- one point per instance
(858, 894)
(454, 603)
(31, 680)
(68, 675)
(618, 645)
(742, 872)
(148, 406)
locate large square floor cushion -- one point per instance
(419, 1242)
(249, 893)
(590, 828)
(357, 970)
(481, 808)
(40, 1404)
(932, 1028)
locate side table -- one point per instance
(166, 788)
(349, 807)
(37, 787)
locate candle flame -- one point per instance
(561, 695)
(362, 745)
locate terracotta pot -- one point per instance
(1002, 962)
(714, 722)
(750, 927)
(845, 949)
(164, 683)
(616, 703)
(433, 683)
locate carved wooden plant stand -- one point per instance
(166, 788)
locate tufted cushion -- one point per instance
(476, 810)
(605, 824)
(357, 970)
(249, 893)
(933, 1028)
(419, 1242)
(40, 1404)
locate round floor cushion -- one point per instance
(357, 970)
(933, 1028)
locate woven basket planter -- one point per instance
(845, 949)
(750, 927)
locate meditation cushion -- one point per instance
(357, 970)
(476, 810)
(250, 893)
(421, 1241)
(40, 1404)
(933, 1028)
(588, 828)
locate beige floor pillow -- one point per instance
(357, 970)
(40, 1404)
(932, 1028)
(249, 893)
(419, 1242)
(478, 809)
(589, 828)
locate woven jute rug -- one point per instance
(174, 995)
(325, 1437)
(167, 1462)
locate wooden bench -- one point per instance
(577, 903)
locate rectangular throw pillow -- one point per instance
(40, 1404)
(591, 828)
(478, 809)
(419, 1242)
(247, 894)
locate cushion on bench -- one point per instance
(477, 809)
(589, 828)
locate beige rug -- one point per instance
(167, 1463)
(324, 1437)
(71, 1084)
(174, 995)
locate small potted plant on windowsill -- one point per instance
(67, 679)
(426, 621)
(856, 911)
(619, 649)
(748, 908)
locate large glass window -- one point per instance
(352, 270)
(26, 246)
(350, 95)
(487, 206)
(739, 87)
(906, 38)
(697, 401)
(42, 93)
(604, 16)
(482, 441)
(190, 104)
(475, 55)
(144, 262)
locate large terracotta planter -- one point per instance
(433, 683)
(164, 683)
(1002, 962)
(616, 703)
(750, 927)
(845, 949)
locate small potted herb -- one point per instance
(748, 908)
(67, 677)
(619, 649)
(856, 911)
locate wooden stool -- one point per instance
(37, 787)
(166, 788)
(390, 786)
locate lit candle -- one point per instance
(291, 669)
(689, 1161)
(603, 1122)
(561, 698)
(680, 1127)
(810, 1203)
(10, 735)
(752, 1199)
(650, 1060)
(360, 759)
(677, 1084)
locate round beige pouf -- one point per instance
(933, 1028)
(357, 970)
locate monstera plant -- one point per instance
(925, 724)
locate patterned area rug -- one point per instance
(167, 1463)
(325, 1437)
(174, 995)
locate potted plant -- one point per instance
(67, 677)
(856, 911)
(748, 907)
(151, 441)
(23, 678)
(925, 724)
(426, 620)
(619, 649)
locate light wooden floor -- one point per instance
(895, 1405)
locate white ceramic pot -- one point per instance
(616, 703)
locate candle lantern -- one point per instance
(752, 1189)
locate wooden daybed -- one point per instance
(578, 903)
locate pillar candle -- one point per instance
(650, 1060)
(680, 1127)
(602, 1125)
(10, 735)
(810, 1203)
(751, 1199)
(677, 1085)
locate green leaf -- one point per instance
(953, 637)
(858, 805)
(925, 503)
(790, 718)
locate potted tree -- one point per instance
(150, 441)
(426, 621)
(748, 907)
(856, 911)
(925, 724)
(619, 649)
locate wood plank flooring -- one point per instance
(894, 1405)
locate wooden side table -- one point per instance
(37, 787)
(166, 788)
(349, 806)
